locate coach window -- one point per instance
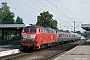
(67, 35)
(55, 32)
(42, 30)
(49, 31)
(60, 35)
(46, 31)
(63, 35)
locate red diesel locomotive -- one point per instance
(37, 37)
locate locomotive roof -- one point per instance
(35, 26)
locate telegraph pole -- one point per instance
(74, 26)
(74, 30)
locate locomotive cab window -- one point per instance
(25, 30)
(32, 30)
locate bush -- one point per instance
(16, 37)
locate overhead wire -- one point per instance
(53, 10)
(42, 9)
(70, 13)
(59, 10)
(50, 8)
(35, 5)
(28, 6)
(47, 6)
(78, 24)
(22, 11)
(66, 9)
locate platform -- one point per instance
(81, 52)
(9, 49)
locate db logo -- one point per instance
(28, 36)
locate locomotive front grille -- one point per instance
(29, 40)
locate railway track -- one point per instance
(46, 54)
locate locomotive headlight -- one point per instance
(24, 39)
(24, 35)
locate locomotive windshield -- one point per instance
(32, 30)
(26, 30)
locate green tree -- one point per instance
(78, 32)
(54, 24)
(6, 17)
(3, 10)
(45, 19)
(86, 34)
(19, 20)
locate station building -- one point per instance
(86, 27)
(15, 27)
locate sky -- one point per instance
(64, 11)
